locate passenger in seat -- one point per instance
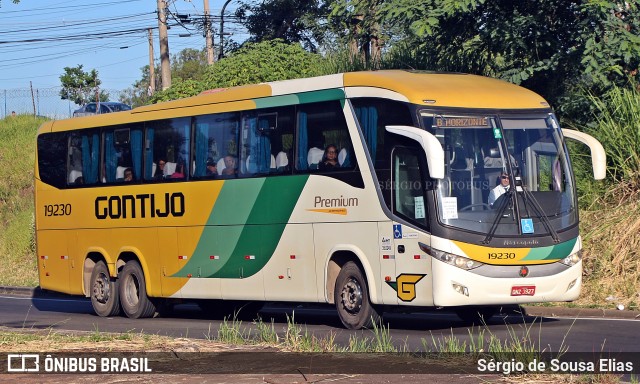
(128, 175)
(230, 167)
(329, 159)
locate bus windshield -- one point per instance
(505, 175)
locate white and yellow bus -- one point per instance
(370, 191)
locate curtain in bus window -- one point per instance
(201, 148)
(110, 157)
(90, 158)
(148, 168)
(368, 118)
(136, 152)
(263, 147)
(250, 163)
(303, 141)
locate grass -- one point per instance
(17, 245)
(521, 345)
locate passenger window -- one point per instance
(267, 139)
(122, 154)
(167, 149)
(216, 145)
(83, 158)
(52, 151)
(323, 142)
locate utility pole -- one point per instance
(207, 33)
(165, 66)
(221, 55)
(152, 69)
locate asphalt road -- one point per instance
(549, 329)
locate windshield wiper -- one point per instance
(501, 208)
(538, 211)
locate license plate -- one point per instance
(523, 290)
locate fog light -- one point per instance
(461, 289)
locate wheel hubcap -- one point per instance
(352, 296)
(102, 289)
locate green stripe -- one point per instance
(248, 219)
(300, 98)
(553, 252)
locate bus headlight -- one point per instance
(572, 259)
(455, 260)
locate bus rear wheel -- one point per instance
(351, 296)
(133, 292)
(104, 291)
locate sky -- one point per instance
(38, 38)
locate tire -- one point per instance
(476, 315)
(351, 296)
(133, 292)
(104, 291)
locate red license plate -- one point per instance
(523, 290)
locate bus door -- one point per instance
(413, 267)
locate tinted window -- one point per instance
(322, 130)
(52, 152)
(167, 142)
(216, 139)
(266, 141)
(122, 154)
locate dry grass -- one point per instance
(41, 341)
(612, 250)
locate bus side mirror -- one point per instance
(429, 143)
(598, 156)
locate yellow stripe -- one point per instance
(502, 256)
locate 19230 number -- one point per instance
(57, 209)
(501, 255)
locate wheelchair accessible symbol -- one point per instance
(397, 231)
(526, 225)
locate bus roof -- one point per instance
(452, 90)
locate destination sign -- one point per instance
(462, 122)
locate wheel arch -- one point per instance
(94, 255)
(133, 254)
(338, 257)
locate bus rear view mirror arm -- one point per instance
(598, 156)
(430, 144)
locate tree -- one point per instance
(189, 64)
(293, 21)
(550, 46)
(260, 62)
(360, 22)
(252, 63)
(80, 86)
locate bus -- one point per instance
(369, 191)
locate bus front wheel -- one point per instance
(133, 292)
(351, 296)
(104, 291)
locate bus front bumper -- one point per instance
(453, 286)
